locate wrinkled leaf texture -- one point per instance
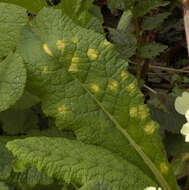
(84, 84)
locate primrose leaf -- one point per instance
(12, 20)
(148, 51)
(145, 6)
(77, 10)
(75, 161)
(151, 22)
(12, 80)
(31, 6)
(84, 84)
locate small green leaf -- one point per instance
(12, 20)
(151, 50)
(32, 6)
(151, 22)
(12, 80)
(145, 6)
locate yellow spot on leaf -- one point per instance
(95, 88)
(45, 69)
(73, 67)
(92, 54)
(75, 60)
(143, 112)
(131, 87)
(106, 43)
(113, 85)
(75, 40)
(61, 45)
(150, 128)
(133, 112)
(164, 167)
(124, 75)
(62, 110)
(47, 50)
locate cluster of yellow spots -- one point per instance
(73, 67)
(106, 43)
(45, 69)
(95, 88)
(61, 45)
(75, 40)
(133, 112)
(47, 50)
(62, 110)
(164, 167)
(131, 87)
(113, 85)
(143, 112)
(124, 75)
(150, 128)
(92, 54)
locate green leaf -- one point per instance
(83, 83)
(12, 80)
(77, 10)
(145, 6)
(26, 101)
(90, 163)
(16, 122)
(13, 18)
(148, 51)
(119, 4)
(3, 186)
(5, 160)
(151, 22)
(125, 43)
(32, 6)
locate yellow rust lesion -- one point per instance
(92, 54)
(164, 168)
(150, 128)
(142, 112)
(75, 60)
(107, 43)
(131, 87)
(73, 67)
(75, 40)
(95, 88)
(62, 109)
(61, 45)
(45, 69)
(124, 75)
(47, 50)
(113, 85)
(133, 112)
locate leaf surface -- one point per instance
(75, 161)
(12, 80)
(84, 84)
(12, 20)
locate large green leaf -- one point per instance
(76, 162)
(12, 80)
(32, 6)
(12, 20)
(83, 83)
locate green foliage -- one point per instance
(11, 83)
(83, 84)
(151, 22)
(148, 51)
(11, 26)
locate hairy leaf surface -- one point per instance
(83, 83)
(77, 162)
(11, 83)
(12, 20)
